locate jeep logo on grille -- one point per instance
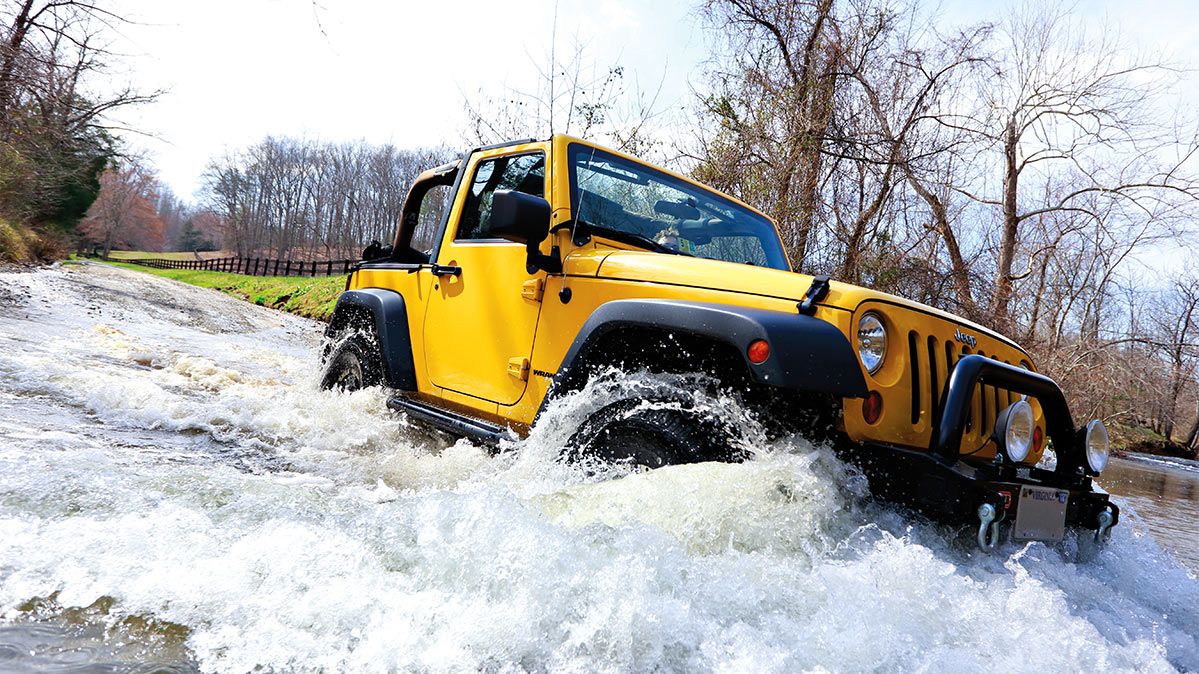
(964, 338)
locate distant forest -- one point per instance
(306, 199)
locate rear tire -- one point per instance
(629, 432)
(355, 363)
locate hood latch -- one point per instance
(815, 293)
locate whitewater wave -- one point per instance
(186, 474)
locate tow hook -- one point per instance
(988, 527)
(1105, 524)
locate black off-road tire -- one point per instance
(626, 432)
(355, 363)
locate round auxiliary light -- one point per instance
(1015, 427)
(872, 341)
(758, 351)
(1097, 445)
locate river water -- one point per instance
(177, 494)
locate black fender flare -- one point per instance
(390, 316)
(806, 353)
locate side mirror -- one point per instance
(524, 218)
(519, 217)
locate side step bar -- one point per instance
(476, 430)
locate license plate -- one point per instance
(1041, 514)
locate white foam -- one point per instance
(212, 485)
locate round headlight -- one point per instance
(1015, 427)
(872, 342)
(1097, 445)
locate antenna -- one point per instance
(564, 294)
(553, 64)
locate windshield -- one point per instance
(631, 202)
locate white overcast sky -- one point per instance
(236, 71)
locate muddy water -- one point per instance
(175, 492)
(1165, 493)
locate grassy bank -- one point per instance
(308, 297)
(21, 243)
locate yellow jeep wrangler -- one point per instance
(549, 260)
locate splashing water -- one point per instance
(174, 484)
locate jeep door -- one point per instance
(480, 322)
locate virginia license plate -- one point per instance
(1041, 514)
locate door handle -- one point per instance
(446, 270)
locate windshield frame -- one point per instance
(771, 246)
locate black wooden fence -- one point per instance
(252, 266)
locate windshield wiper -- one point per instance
(631, 238)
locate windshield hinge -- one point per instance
(532, 290)
(519, 367)
(815, 293)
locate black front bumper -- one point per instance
(953, 492)
(938, 483)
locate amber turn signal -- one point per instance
(758, 351)
(872, 407)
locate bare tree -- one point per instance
(573, 96)
(1060, 102)
(771, 103)
(123, 214)
(304, 199)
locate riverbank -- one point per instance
(21, 244)
(308, 297)
(1128, 439)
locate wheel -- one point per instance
(651, 435)
(355, 363)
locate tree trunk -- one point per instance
(960, 272)
(1011, 222)
(20, 26)
(1192, 440)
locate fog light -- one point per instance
(1015, 428)
(1097, 445)
(872, 407)
(758, 351)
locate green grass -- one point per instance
(308, 297)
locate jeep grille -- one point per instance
(931, 359)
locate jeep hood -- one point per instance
(744, 278)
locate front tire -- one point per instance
(650, 434)
(354, 364)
